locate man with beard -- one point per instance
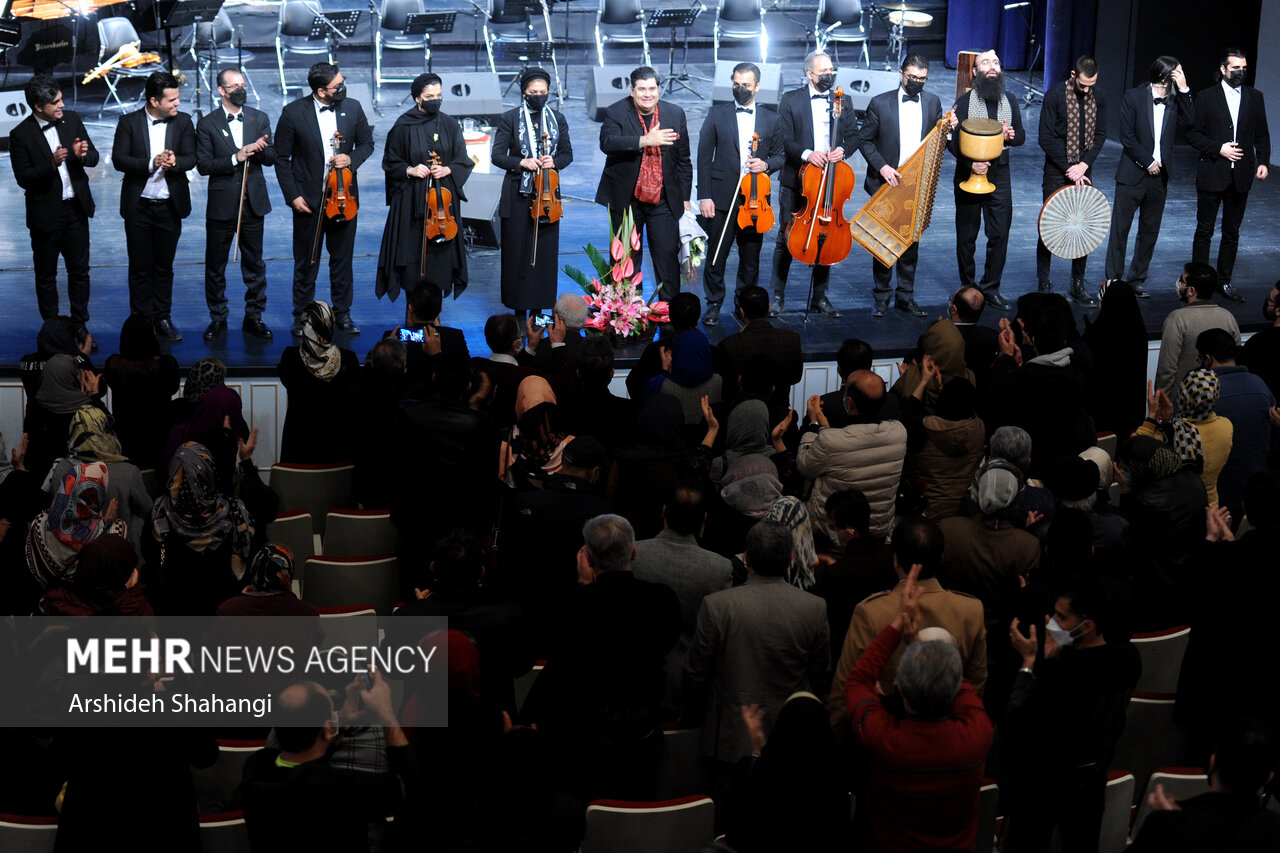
(1230, 132)
(994, 210)
(417, 136)
(1073, 128)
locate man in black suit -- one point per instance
(808, 137)
(1142, 177)
(724, 157)
(758, 336)
(1073, 129)
(994, 210)
(981, 343)
(305, 150)
(154, 147)
(907, 113)
(423, 309)
(229, 141)
(49, 150)
(1230, 132)
(647, 169)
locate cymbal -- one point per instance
(908, 18)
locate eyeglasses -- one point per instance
(914, 79)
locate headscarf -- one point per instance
(1197, 399)
(265, 567)
(319, 353)
(536, 441)
(220, 403)
(1149, 459)
(690, 358)
(54, 338)
(748, 431)
(533, 72)
(193, 510)
(104, 569)
(996, 485)
(205, 375)
(90, 438)
(60, 391)
(72, 521)
(138, 340)
(791, 512)
(751, 485)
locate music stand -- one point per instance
(426, 23)
(524, 52)
(674, 19)
(334, 26)
(1028, 13)
(188, 13)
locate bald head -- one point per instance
(967, 304)
(305, 714)
(864, 394)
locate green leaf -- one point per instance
(582, 279)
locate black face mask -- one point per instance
(238, 96)
(913, 87)
(742, 95)
(536, 102)
(1236, 78)
(430, 107)
(825, 81)
(339, 95)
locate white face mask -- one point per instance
(1060, 635)
(1179, 291)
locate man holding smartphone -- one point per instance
(422, 311)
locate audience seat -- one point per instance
(683, 773)
(27, 834)
(293, 530)
(988, 816)
(1181, 783)
(1114, 836)
(353, 625)
(217, 786)
(342, 581)
(352, 532)
(1151, 738)
(615, 826)
(316, 488)
(524, 683)
(224, 832)
(1161, 653)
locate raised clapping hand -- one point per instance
(1009, 132)
(814, 409)
(1159, 406)
(907, 622)
(753, 720)
(1008, 346)
(1024, 646)
(708, 415)
(781, 429)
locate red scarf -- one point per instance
(649, 181)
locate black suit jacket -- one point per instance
(300, 152)
(762, 337)
(1137, 116)
(1053, 133)
(796, 129)
(34, 170)
(1212, 128)
(131, 154)
(878, 139)
(620, 141)
(215, 147)
(718, 155)
(506, 155)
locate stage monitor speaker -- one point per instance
(606, 86)
(472, 94)
(13, 109)
(863, 84)
(480, 210)
(770, 83)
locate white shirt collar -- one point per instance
(503, 358)
(1230, 92)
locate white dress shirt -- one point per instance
(157, 188)
(820, 108)
(746, 128)
(910, 119)
(328, 119)
(51, 136)
(1157, 126)
(237, 133)
(1233, 107)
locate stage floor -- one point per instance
(583, 222)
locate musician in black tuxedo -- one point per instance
(1230, 132)
(724, 157)
(804, 116)
(49, 151)
(1142, 176)
(639, 130)
(907, 113)
(994, 210)
(304, 153)
(230, 141)
(1068, 156)
(154, 147)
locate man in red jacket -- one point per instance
(926, 767)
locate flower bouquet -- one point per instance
(615, 294)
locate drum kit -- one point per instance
(896, 22)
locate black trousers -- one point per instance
(749, 245)
(340, 240)
(219, 235)
(1146, 198)
(789, 201)
(151, 234)
(994, 212)
(1232, 202)
(1043, 256)
(1072, 802)
(906, 267)
(663, 231)
(67, 236)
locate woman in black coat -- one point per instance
(1118, 340)
(320, 378)
(143, 381)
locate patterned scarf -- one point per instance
(978, 107)
(205, 375)
(1196, 401)
(649, 181)
(195, 511)
(73, 520)
(1073, 122)
(319, 353)
(529, 140)
(791, 512)
(90, 438)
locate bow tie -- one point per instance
(328, 109)
(906, 98)
(236, 117)
(817, 97)
(746, 110)
(156, 121)
(45, 127)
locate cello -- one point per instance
(438, 225)
(819, 234)
(338, 203)
(546, 199)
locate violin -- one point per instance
(440, 226)
(546, 199)
(755, 214)
(820, 234)
(337, 204)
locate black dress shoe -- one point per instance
(1140, 291)
(779, 305)
(215, 328)
(254, 327)
(1045, 286)
(1080, 296)
(998, 302)
(711, 317)
(910, 306)
(824, 307)
(347, 325)
(879, 309)
(166, 329)
(1229, 292)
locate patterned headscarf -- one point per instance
(90, 438)
(791, 512)
(264, 569)
(205, 375)
(1196, 401)
(751, 485)
(195, 511)
(74, 519)
(319, 353)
